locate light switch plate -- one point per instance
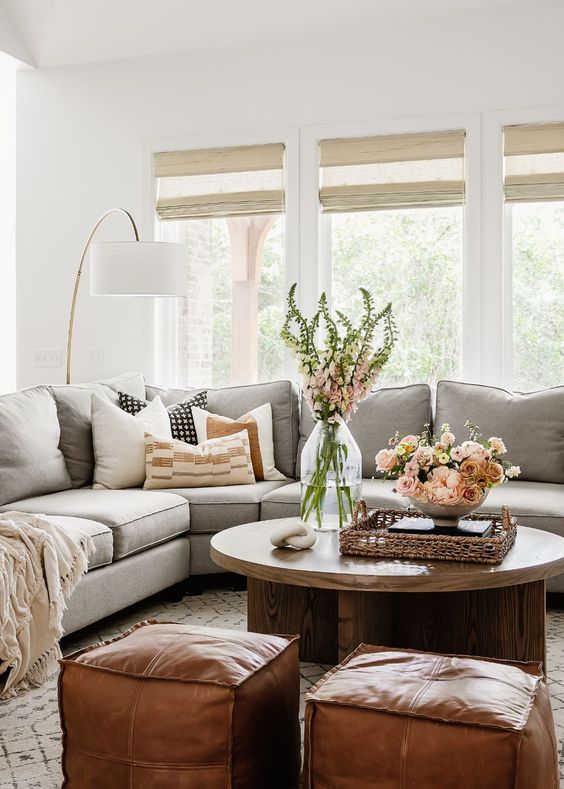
(47, 357)
(95, 357)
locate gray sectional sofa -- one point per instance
(147, 541)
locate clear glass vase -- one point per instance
(331, 476)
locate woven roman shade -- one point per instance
(534, 162)
(217, 182)
(392, 171)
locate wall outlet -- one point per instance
(95, 357)
(47, 357)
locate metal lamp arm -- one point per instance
(79, 273)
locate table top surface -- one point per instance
(247, 550)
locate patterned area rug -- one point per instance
(30, 743)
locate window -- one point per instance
(227, 205)
(394, 207)
(534, 194)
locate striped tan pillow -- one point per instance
(170, 463)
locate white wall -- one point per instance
(7, 223)
(81, 132)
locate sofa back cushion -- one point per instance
(406, 409)
(172, 396)
(74, 403)
(31, 462)
(233, 401)
(532, 425)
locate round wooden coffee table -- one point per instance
(336, 602)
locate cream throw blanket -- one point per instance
(41, 563)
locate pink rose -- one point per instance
(407, 485)
(457, 453)
(447, 438)
(497, 445)
(472, 494)
(386, 459)
(423, 456)
(475, 451)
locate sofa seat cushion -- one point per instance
(285, 501)
(102, 538)
(215, 509)
(138, 518)
(536, 504)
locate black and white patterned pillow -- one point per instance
(180, 414)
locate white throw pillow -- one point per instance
(259, 426)
(119, 442)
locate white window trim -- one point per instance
(318, 278)
(497, 295)
(487, 282)
(165, 362)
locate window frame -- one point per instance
(471, 254)
(497, 283)
(487, 299)
(164, 368)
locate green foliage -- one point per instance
(538, 294)
(412, 258)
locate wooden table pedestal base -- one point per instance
(506, 622)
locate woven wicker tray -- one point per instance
(368, 535)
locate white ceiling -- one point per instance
(57, 32)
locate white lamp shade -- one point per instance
(137, 268)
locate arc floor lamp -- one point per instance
(128, 268)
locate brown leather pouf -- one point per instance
(398, 719)
(169, 706)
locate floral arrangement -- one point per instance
(437, 470)
(337, 376)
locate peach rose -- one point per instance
(407, 485)
(386, 459)
(469, 468)
(472, 494)
(494, 473)
(410, 441)
(447, 486)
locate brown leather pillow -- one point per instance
(257, 423)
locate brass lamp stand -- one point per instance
(135, 268)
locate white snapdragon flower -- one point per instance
(513, 471)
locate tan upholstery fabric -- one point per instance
(219, 461)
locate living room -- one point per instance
(328, 402)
